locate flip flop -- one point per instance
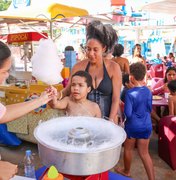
(121, 171)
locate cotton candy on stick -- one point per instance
(46, 65)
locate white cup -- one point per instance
(166, 95)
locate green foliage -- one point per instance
(4, 4)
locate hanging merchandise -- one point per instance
(117, 2)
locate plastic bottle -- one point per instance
(29, 167)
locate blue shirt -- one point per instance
(138, 107)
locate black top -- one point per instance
(102, 95)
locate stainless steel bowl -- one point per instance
(101, 155)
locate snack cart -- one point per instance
(23, 46)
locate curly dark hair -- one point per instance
(138, 70)
(172, 86)
(4, 53)
(118, 50)
(105, 34)
(86, 75)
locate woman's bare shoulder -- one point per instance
(83, 62)
(120, 59)
(80, 65)
(125, 59)
(110, 63)
(112, 66)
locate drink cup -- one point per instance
(166, 95)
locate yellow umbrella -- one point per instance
(41, 13)
(66, 11)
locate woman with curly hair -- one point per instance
(106, 74)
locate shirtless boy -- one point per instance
(172, 98)
(77, 103)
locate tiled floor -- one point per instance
(162, 170)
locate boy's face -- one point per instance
(79, 88)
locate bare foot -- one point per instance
(122, 172)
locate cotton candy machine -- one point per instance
(79, 145)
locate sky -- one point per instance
(92, 6)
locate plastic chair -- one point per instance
(167, 140)
(155, 80)
(157, 71)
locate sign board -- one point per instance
(23, 37)
(117, 2)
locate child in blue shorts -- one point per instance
(138, 125)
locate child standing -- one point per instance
(138, 126)
(172, 98)
(77, 103)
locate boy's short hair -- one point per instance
(86, 75)
(138, 70)
(118, 50)
(125, 79)
(172, 86)
(69, 48)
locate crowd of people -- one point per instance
(95, 89)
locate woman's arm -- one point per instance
(15, 111)
(116, 83)
(158, 88)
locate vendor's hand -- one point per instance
(52, 90)
(7, 170)
(45, 97)
(53, 102)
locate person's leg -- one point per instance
(127, 157)
(155, 120)
(155, 116)
(145, 157)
